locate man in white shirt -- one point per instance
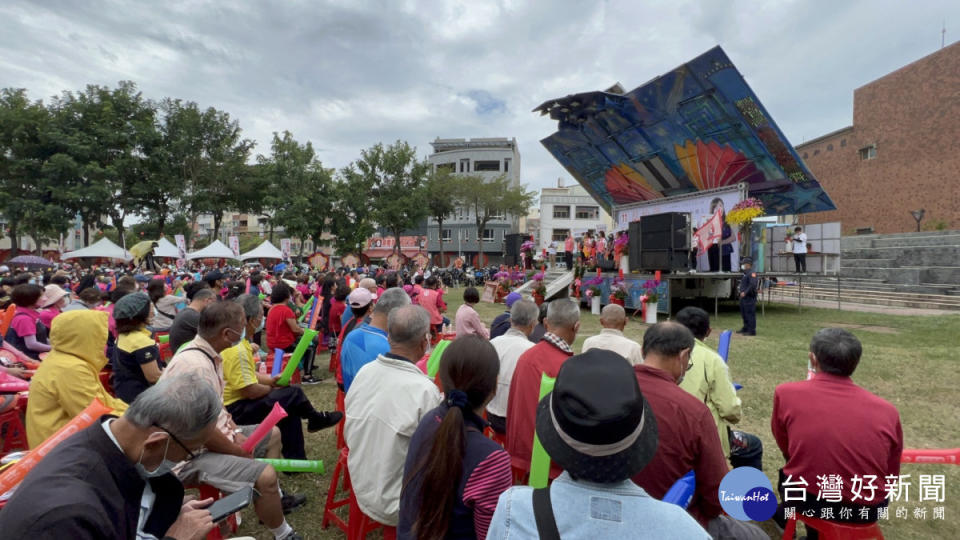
(509, 346)
(613, 319)
(384, 406)
(800, 250)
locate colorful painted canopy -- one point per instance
(695, 128)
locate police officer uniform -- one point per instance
(749, 284)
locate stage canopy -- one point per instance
(216, 250)
(166, 248)
(695, 128)
(101, 249)
(266, 250)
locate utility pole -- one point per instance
(943, 34)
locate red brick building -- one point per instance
(902, 152)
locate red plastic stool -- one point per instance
(361, 524)
(14, 435)
(832, 530)
(217, 533)
(341, 406)
(340, 471)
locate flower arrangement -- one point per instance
(593, 286)
(618, 289)
(622, 243)
(651, 290)
(745, 211)
(527, 247)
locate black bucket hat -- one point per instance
(596, 423)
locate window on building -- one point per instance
(451, 167)
(465, 165)
(561, 212)
(559, 235)
(588, 212)
(506, 164)
(243, 223)
(483, 166)
(497, 214)
(868, 152)
(447, 235)
(829, 148)
(816, 152)
(843, 142)
(805, 155)
(488, 235)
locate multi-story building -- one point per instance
(565, 209)
(489, 158)
(901, 154)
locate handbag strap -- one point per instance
(543, 513)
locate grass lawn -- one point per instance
(911, 361)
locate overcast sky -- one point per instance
(348, 74)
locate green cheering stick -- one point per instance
(298, 353)
(296, 465)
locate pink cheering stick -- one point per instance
(915, 455)
(276, 414)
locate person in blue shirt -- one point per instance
(369, 340)
(366, 283)
(598, 427)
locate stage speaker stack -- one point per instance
(511, 247)
(663, 242)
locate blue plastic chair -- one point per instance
(723, 348)
(681, 492)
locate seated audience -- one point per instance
(501, 323)
(88, 298)
(861, 430)
(136, 359)
(449, 444)
(540, 329)
(53, 302)
(368, 341)
(164, 305)
(431, 299)
(613, 319)
(26, 332)
(688, 435)
(385, 404)
(546, 357)
(709, 381)
(509, 347)
(225, 465)
(598, 427)
(184, 327)
(369, 284)
(113, 479)
(467, 320)
(337, 306)
(284, 331)
(249, 396)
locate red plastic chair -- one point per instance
(14, 434)
(7, 318)
(341, 406)
(832, 530)
(361, 525)
(339, 472)
(166, 353)
(226, 527)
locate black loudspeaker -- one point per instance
(664, 241)
(633, 242)
(510, 260)
(511, 246)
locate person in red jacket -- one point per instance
(546, 357)
(337, 306)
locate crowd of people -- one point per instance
(433, 453)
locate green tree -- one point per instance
(398, 180)
(352, 222)
(440, 196)
(493, 198)
(32, 204)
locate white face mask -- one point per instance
(743, 267)
(166, 466)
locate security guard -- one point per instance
(749, 284)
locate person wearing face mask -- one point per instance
(113, 479)
(26, 332)
(53, 302)
(136, 359)
(69, 378)
(688, 435)
(749, 284)
(226, 465)
(249, 396)
(386, 402)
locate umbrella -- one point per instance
(31, 260)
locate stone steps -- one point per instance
(849, 262)
(892, 299)
(945, 275)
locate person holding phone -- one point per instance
(113, 480)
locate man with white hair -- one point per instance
(369, 284)
(544, 358)
(513, 343)
(369, 340)
(613, 319)
(113, 479)
(384, 406)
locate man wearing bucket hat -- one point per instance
(598, 427)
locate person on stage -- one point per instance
(719, 254)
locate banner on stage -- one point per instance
(234, 244)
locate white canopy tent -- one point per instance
(101, 249)
(266, 250)
(216, 250)
(166, 249)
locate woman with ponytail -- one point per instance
(453, 474)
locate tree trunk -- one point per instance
(271, 231)
(14, 239)
(480, 246)
(217, 219)
(161, 222)
(439, 239)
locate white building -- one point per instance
(566, 209)
(487, 157)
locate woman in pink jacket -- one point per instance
(468, 320)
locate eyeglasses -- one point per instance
(190, 454)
